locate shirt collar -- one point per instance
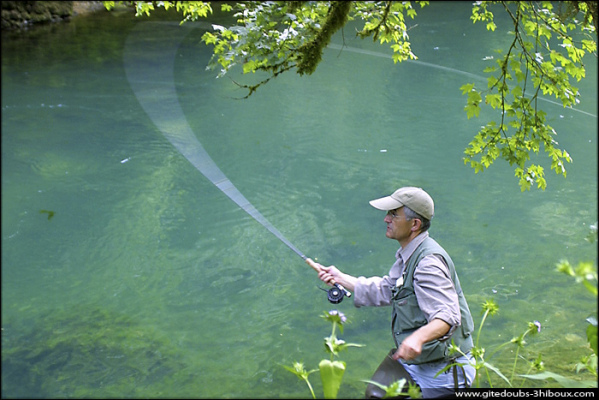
(405, 253)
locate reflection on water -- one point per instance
(149, 282)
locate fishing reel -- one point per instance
(337, 293)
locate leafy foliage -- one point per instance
(480, 358)
(536, 69)
(565, 382)
(586, 273)
(546, 54)
(398, 389)
(300, 371)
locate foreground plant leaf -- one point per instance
(300, 371)
(331, 374)
(393, 390)
(592, 333)
(498, 372)
(562, 380)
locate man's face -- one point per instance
(398, 227)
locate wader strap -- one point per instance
(456, 381)
(456, 384)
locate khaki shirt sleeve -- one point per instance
(436, 292)
(376, 290)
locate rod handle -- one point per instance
(311, 263)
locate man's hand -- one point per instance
(411, 347)
(331, 275)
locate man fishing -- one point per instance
(429, 309)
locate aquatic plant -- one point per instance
(534, 363)
(331, 370)
(49, 212)
(85, 353)
(300, 371)
(586, 274)
(398, 388)
(479, 358)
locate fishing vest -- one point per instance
(407, 315)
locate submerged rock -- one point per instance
(23, 14)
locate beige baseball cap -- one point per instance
(412, 197)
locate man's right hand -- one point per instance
(331, 275)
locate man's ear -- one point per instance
(416, 224)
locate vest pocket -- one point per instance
(433, 351)
(406, 319)
(409, 315)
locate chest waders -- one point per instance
(408, 317)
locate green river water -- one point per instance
(127, 273)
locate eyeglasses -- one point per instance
(393, 214)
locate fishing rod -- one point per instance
(335, 294)
(153, 84)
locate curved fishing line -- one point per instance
(149, 66)
(149, 59)
(441, 67)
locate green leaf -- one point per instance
(586, 283)
(298, 370)
(249, 66)
(565, 267)
(494, 100)
(467, 88)
(331, 374)
(498, 372)
(209, 38)
(562, 380)
(472, 110)
(393, 390)
(546, 55)
(592, 337)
